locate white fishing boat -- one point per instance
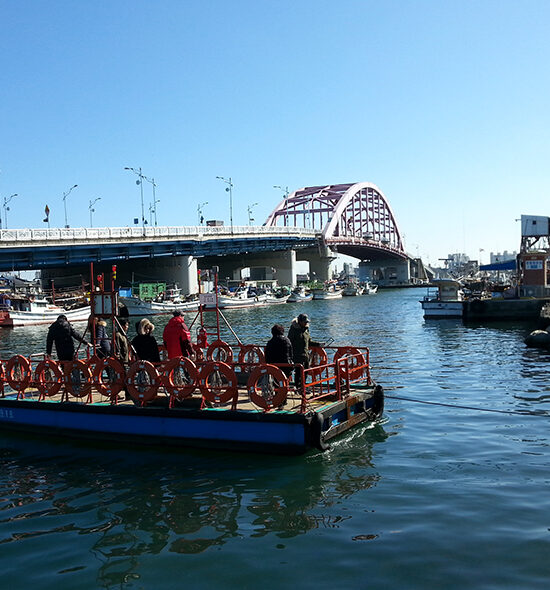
(33, 310)
(330, 291)
(242, 297)
(300, 295)
(369, 289)
(139, 307)
(352, 290)
(444, 299)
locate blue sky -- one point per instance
(443, 105)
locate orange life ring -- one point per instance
(256, 390)
(217, 392)
(116, 376)
(251, 350)
(2, 378)
(84, 386)
(18, 372)
(318, 357)
(50, 385)
(224, 352)
(179, 390)
(142, 392)
(356, 365)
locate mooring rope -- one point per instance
(476, 409)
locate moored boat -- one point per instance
(35, 310)
(369, 289)
(329, 291)
(139, 307)
(300, 295)
(443, 300)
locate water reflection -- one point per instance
(142, 502)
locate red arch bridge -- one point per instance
(313, 224)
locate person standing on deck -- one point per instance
(122, 344)
(176, 337)
(299, 336)
(279, 349)
(145, 344)
(62, 333)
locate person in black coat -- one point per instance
(62, 333)
(279, 349)
(145, 344)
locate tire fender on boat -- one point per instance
(255, 389)
(134, 386)
(51, 386)
(248, 350)
(217, 393)
(24, 365)
(356, 366)
(315, 431)
(112, 387)
(219, 346)
(179, 391)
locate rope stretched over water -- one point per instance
(476, 409)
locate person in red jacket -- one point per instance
(176, 337)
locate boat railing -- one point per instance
(220, 380)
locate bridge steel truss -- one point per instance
(354, 219)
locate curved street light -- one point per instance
(65, 195)
(199, 212)
(6, 209)
(250, 218)
(140, 184)
(285, 191)
(229, 189)
(92, 210)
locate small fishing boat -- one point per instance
(352, 290)
(300, 295)
(226, 397)
(369, 289)
(444, 299)
(139, 307)
(329, 291)
(33, 310)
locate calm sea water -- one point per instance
(434, 496)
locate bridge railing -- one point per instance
(9, 236)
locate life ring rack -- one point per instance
(248, 350)
(176, 390)
(113, 367)
(48, 386)
(224, 350)
(84, 387)
(135, 387)
(255, 389)
(355, 368)
(21, 382)
(213, 393)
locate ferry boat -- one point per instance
(36, 309)
(226, 397)
(444, 299)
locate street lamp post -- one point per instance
(199, 212)
(65, 195)
(153, 206)
(285, 190)
(92, 210)
(250, 218)
(6, 209)
(140, 183)
(229, 189)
